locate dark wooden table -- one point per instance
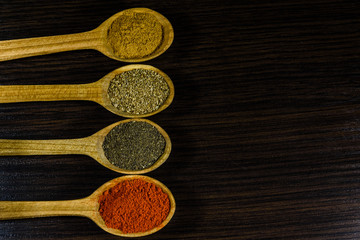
(265, 123)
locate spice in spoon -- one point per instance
(134, 145)
(134, 206)
(135, 35)
(138, 91)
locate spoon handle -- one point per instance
(34, 93)
(11, 147)
(32, 209)
(21, 48)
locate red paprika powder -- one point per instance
(134, 206)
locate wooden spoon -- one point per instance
(86, 207)
(95, 39)
(96, 92)
(91, 146)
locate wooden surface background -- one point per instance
(265, 123)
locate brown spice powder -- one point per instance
(135, 35)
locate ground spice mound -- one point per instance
(135, 35)
(134, 206)
(138, 91)
(134, 145)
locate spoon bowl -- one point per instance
(97, 39)
(91, 146)
(99, 155)
(105, 82)
(85, 207)
(167, 35)
(96, 217)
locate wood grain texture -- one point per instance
(264, 123)
(21, 48)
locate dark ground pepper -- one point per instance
(134, 145)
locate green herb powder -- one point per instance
(138, 91)
(134, 145)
